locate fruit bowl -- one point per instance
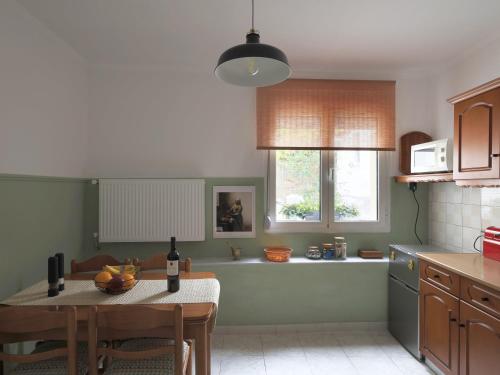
(114, 283)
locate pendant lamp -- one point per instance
(253, 64)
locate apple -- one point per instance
(116, 283)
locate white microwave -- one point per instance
(432, 157)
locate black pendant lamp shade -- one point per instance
(253, 64)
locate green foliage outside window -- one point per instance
(308, 207)
(300, 210)
(303, 169)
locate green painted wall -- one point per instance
(301, 293)
(403, 211)
(289, 293)
(38, 216)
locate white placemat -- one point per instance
(84, 292)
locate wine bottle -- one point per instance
(173, 267)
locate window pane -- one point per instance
(356, 185)
(298, 191)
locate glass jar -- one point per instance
(313, 252)
(328, 251)
(340, 248)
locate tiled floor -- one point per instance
(313, 353)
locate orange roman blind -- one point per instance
(326, 115)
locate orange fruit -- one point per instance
(103, 277)
(127, 276)
(129, 282)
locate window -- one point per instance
(298, 188)
(328, 191)
(355, 180)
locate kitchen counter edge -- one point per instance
(472, 266)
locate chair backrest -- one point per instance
(94, 264)
(119, 322)
(31, 323)
(159, 261)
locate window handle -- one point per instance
(331, 173)
(494, 155)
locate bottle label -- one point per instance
(172, 267)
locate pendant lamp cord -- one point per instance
(253, 16)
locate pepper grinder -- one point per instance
(60, 270)
(53, 276)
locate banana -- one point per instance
(117, 270)
(112, 270)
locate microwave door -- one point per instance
(425, 159)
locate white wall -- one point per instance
(43, 99)
(155, 122)
(478, 66)
(60, 117)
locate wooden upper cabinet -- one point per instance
(477, 133)
(439, 334)
(479, 341)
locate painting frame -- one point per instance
(227, 221)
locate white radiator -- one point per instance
(151, 210)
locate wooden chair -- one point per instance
(94, 264)
(159, 261)
(148, 331)
(31, 323)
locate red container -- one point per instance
(491, 243)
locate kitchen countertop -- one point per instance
(473, 266)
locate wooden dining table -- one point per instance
(199, 318)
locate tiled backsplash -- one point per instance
(457, 215)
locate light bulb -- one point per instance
(252, 67)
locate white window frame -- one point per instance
(327, 224)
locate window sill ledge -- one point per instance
(293, 260)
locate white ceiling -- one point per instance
(317, 35)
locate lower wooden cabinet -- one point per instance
(459, 332)
(479, 342)
(439, 331)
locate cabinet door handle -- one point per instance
(485, 299)
(436, 276)
(461, 325)
(494, 155)
(453, 320)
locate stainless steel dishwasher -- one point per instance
(403, 293)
